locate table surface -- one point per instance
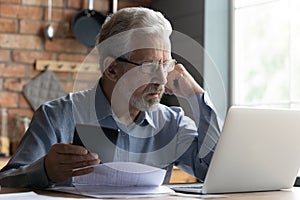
(291, 194)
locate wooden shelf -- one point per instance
(65, 66)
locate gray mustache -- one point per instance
(154, 88)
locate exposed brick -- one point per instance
(57, 14)
(58, 3)
(31, 72)
(69, 17)
(24, 103)
(9, 99)
(19, 11)
(13, 84)
(4, 55)
(65, 45)
(10, 1)
(8, 25)
(61, 15)
(12, 70)
(124, 4)
(102, 6)
(31, 56)
(69, 14)
(36, 2)
(32, 26)
(76, 4)
(55, 3)
(26, 112)
(1, 84)
(62, 30)
(14, 41)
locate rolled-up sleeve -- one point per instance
(32, 175)
(26, 167)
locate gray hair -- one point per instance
(121, 27)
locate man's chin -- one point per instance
(153, 107)
(147, 106)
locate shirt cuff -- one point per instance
(37, 174)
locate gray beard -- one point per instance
(151, 105)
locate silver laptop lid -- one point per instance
(259, 149)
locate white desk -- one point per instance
(293, 194)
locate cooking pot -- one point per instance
(86, 25)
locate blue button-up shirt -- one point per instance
(161, 138)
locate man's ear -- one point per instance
(110, 70)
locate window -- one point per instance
(266, 53)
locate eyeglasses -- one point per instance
(151, 67)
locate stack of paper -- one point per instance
(120, 179)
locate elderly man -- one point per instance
(137, 69)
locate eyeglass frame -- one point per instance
(153, 63)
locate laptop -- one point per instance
(258, 150)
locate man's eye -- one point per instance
(148, 67)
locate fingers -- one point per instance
(68, 154)
(75, 158)
(82, 171)
(84, 164)
(62, 159)
(173, 79)
(81, 166)
(168, 91)
(62, 148)
(181, 83)
(72, 167)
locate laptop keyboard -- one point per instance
(194, 188)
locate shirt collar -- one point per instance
(148, 119)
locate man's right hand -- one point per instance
(62, 160)
(185, 86)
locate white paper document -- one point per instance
(122, 174)
(120, 180)
(32, 196)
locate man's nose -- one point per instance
(160, 76)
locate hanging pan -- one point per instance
(86, 25)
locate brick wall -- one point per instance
(22, 42)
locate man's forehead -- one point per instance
(155, 54)
(149, 41)
(151, 51)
